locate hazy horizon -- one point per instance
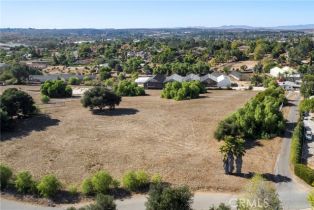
(127, 14)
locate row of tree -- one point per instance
(182, 90)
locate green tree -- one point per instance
(232, 149)
(24, 182)
(16, 103)
(310, 198)
(162, 197)
(100, 97)
(259, 195)
(56, 89)
(5, 176)
(128, 88)
(101, 182)
(307, 87)
(48, 186)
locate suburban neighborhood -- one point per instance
(156, 105)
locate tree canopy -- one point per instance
(100, 97)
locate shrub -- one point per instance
(135, 181)
(100, 97)
(162, 197)
(48, 186)
(5, 176)
(259, 189)
(74, 81)
(296, 144)
(156, 178)
(56, 89)
(305, 173)
(24, 182)
(128, 88)
(87, 187)
(103, 202)
(310, 198)
(185, 90)
(104, 73)
(17, 103)
(45, 99)
(101, 182)
(221, 206)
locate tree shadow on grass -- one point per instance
(115, 112)
(276, 178)
(23, 127)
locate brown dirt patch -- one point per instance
(162, 136)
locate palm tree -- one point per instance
(239, 151)
(233, 147)
(227, 151)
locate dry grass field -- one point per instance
(157, 135)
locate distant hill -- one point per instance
(287, 27)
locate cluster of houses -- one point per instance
(288, 77)
(157, 81)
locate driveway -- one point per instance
(202, 201)
(292, 193)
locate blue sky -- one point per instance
(152, 14)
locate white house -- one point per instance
(142, 80)
(276, 71)
(223, 81)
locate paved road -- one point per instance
(202, 201)
(292, 193)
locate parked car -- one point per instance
(308, 135)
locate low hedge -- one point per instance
(305, 173)
(296, 144)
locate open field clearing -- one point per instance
(157, 135)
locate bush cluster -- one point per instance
(128, 88)
(15, 103)
(48, 186)
(305, 173)
(24, 182)
(136, 180)
(74, 81)
(296, 144)
(100, 182)
(185, 90)
(259, 118)
(103, 202)
(56, 89)
(161, 197)
(45, 99)
(5, 176)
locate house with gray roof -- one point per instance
(156, 82)
(173, 78)
(236, 75)
(209, 80)
(191, 77)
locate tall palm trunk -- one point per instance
(230, 160)
(239, 163)
(226, 166)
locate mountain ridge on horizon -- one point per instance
(246, 27)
